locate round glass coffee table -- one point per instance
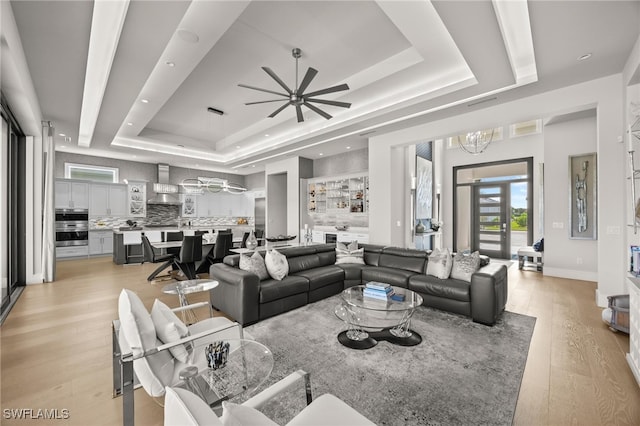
(182, 288)
(370, 319)
(248, 364)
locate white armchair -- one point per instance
(156, 346)
(184, 408)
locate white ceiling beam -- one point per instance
(515, 26)
(106, 26)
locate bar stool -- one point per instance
(132, 238)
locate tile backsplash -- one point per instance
(162, 214)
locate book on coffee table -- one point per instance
(378, 286)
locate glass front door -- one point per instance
(492, 228)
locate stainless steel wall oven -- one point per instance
(72, 227)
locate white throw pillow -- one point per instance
(254, 264)
(353, 245)
(440, 263)
(241, 415)
(136, 325)
(465, 265)
(170, 329)
(277, 264)
(349, 254)
(135, 321)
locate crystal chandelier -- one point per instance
(476, 142)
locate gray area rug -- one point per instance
(462, 373)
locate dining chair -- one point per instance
(260, 235)
(224, 242)
(244, 240)
(153, 257)
(174, 236)
(190, 253)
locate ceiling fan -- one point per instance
(298, 97)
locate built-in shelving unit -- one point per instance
(338, 194)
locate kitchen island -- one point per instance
(135, 252)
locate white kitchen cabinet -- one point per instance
(317, 236)
(73, 251)
(223, 204)
(137, 199)
(108, 200)
(347, 237)
(71, 194)
(100, 242)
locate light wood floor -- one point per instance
(56, 350)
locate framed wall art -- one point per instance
(583, 207)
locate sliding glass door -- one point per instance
(4, 216)
(12, 223)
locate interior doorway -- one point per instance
(493, 207)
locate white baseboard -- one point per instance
(571, 274)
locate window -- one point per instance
(525, 128)
(88, 172)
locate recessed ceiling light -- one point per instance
(253, 165)
(584, 57)
(129, 124)
(144, 101)
(170, 64)
(321, 154)
(188, 36)
(266, 135)
(61, 134)
(348, 147)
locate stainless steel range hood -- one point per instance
(166, 194)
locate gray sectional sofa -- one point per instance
(313, 275)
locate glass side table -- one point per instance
(248, 365)
(182, 288)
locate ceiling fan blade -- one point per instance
(276, 112)
(324, 101)
(264, 102)
(337, 88)
(317, 110)
(277, 79)
(299, 113)
(310, 75)
(263, 90)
